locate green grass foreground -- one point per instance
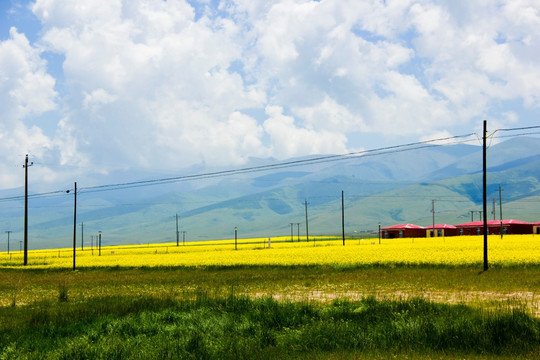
(237, 327)
(312, 312)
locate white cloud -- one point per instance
(26, 88)
(289, 140)
(331, 116)
(149, 82)
(26, 91)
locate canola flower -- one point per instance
(456, 251)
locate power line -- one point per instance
(287, 164)
(316, 160)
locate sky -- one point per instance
(92, 87)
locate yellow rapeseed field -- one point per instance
(458, 250)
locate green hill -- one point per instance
(384, 188)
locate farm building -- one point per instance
(403, 231)
(536, 228)
(441, 230)
(509, 226)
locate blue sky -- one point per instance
(96, 86)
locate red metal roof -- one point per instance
(440, 226)
(402, 226)
(493, 223)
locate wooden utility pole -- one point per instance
(500, 208)
(26, 165)
(8, 232)
(433, 211)
(82, 236)
(343, 217)
(292, 239)
(307, 227)
(484, 178)
(74, 221)
(177, 233)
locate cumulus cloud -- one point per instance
(26, 92)
(290, 140)
(190, 82)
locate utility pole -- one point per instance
(183, 238)
(8, 232)
(292, 232)
(493, 211)
(99, 240)
(343, 217)
(235, 238)
(26, 165)
(177, 234)
(484, 178)
(92, 243)
(82, 236)
(433, 211)
(298, 231)
(379, 233)
(500, 208)
(307, 227)
(74, 221)
(476, 211)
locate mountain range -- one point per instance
(385, 187)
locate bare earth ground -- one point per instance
(489, 300)
(498, 288)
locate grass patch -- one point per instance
(238, 327)
(308, 312)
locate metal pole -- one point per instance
(433, 211)
(183, 238)
(235, 238)
(298, 231)
(26, 165)
(82, 236)
(74, 221)
(99, 234)
(500, 209)
(177, 234)
(379, 233)
(307, 228)
(485, 196)
(343, 217)
(292, 232)
(8, 232)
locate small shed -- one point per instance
(509, 226)
(403, 231)
(441, 230)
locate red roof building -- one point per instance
(441, 230)
(508, 226)
(536, 228)
(403, 231)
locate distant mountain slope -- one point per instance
(387, 188)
